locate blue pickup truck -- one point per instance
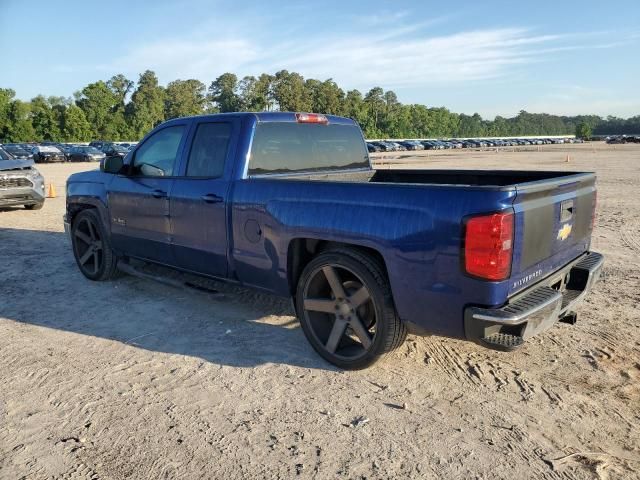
(288, 203)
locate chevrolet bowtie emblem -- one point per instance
(564, 232)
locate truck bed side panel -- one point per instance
(417, 231)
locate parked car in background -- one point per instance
(86, 154)
(436, 144)
(372, 148)
(18, 151)
(65, 148)
(411, 145)
(20, 183)
(384, 146)
(47, 154)
(397, 146)
(114, 150)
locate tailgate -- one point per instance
(553, 226)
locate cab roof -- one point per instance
(264, 117)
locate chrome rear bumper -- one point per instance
(536, 310)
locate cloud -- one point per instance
(365, 60)
(182, 58)
(406, 55)
(394, 57)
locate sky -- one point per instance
(492, 57)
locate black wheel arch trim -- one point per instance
(78, 203)
(301, 250)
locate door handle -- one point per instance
(211, 198)
(159, 194)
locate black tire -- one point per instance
(34, 206)
(334, 325)
(92, 247)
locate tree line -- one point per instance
(121, 109)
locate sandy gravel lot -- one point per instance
(137, 379)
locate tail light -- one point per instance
(311, 118)
(488, 246)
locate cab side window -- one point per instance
(157, 156)
(209, 150)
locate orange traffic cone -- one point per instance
(51, 192)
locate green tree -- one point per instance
(97, 101)
(59, 106)
(374, 100)
(119, 127)
(256, 94)
(583, 130)
(146, 109)
(114, 111)
(326, 97)
(44, 120)
(391, 100)
(290, 93)
(443, 123)
(223, 93)
(354, 107)
(471, 126)
(120, 86)
(185, 97)
(19, 128)
(75, 127)
(6, 97)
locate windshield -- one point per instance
(14, 149)
(48, 148)
(284, 147)
(4, 155)
(91, 150)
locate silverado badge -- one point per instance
(564, 232)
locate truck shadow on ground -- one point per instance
(41, 285)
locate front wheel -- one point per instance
(91, 247)
(346, 309)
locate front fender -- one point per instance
(84, 194)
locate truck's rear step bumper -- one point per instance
(537, 309)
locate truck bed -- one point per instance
(464, 178)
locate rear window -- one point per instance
(283, 147)
(209, 150)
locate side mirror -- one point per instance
(112, 164)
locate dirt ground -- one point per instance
(137, 379)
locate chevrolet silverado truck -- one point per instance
(288, 203)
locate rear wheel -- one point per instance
(91, 247)
(346, 310)
(34, 206)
